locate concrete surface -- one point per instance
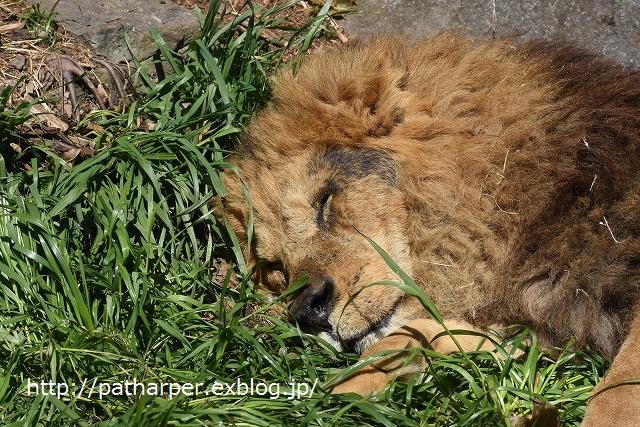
(611, 27)
(102, 24)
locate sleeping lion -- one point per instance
(504, 178)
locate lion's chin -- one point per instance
(358, 342)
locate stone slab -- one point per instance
(102, 24)
(611, 27)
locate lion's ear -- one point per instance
(377, 97)
(362, 94)
(384, 124)
(373, 99)
(376, 86)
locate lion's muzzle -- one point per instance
(313, 307)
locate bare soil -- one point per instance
(39, 59)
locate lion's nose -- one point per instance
(312, 307)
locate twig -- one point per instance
(498, 206)
(606, 223)
(116, 80)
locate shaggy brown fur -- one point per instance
(503, 177)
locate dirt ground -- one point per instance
(26, 36)
(295, 16)
(31, 42)
(202, 4)
(32, 48)
(39, 58)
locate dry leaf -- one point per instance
(10, 27)
(543, 415)
(71, 154)
(45, 115)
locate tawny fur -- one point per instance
(513, 195)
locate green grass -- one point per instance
(42, 24)
(106, 276)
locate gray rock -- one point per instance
(102, 24)
(611, 27)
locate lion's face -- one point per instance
(309, 213)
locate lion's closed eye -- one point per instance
(323, 204)
(324, 211)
